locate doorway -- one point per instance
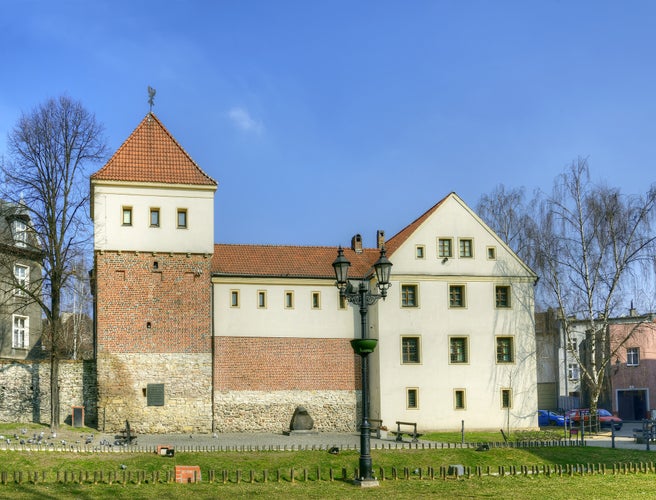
(632, 404)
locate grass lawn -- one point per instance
(146, 466)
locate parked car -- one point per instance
(606, 418)
(546, 418)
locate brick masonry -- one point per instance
(260, 381)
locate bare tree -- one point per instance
(590, 241)
(49, 150)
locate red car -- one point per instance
(606, 418)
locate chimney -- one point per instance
(632, 312)
(356, 243)
(380, 239)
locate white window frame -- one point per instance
(234, 298)
(440, 253)
(20, 332)
(182, 212)
(420, 252)
(470, 243)
(315, 300)
(573, 371)
(405, 303)
(632, 356)
(261, 299)
(19, 228)
(22, 281)
(126, 216)
(289, 299)
(416, 338)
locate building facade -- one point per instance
(194, 336)
(20, 273)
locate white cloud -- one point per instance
(242, 119)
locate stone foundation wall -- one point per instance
(25, 391)
(122, 388)
(272, 411)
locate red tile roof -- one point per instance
(399, 238)
(287, 261)
(151, 154)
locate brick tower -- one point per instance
(153, 213)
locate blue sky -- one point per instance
(322, 119)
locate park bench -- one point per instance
(128, 435)
(414, 434)
(375, 425)
(646, 432)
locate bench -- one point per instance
(414, 434)
(645, 433)
(375, 425)
(128, 435)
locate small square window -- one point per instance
(316, 300)
(412, 398)
(459, 399)
(420, 252)
(289, 300)
(466, 248)
(502, 296)
(261, 299)
(491, 253)
(456, 295)
(182, 218)
(127, 216)
(234, 298)
(633, 356)
(573, 371)
(458, 350)
(410, 350)
(154, 217)
(444, 248)
(505, 350)
(408, 295)
(506, 398)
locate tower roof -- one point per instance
(151, 154)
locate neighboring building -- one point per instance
(633, 369)
(20, 270)
(547, 342)
(193, 336)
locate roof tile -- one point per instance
(151, 154)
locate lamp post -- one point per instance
(363, 346)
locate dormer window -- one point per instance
(19, 230)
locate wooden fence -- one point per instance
(292, 475)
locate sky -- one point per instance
(323, 119)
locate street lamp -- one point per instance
(363, 346)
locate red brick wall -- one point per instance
(268, 364)
(175, 298)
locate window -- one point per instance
(234, 298)
(456, 295)
(502, 296)
(182, 218)
(19, 229)
(21, 337)
(420, 252)
(633, 356)
(506, 398)
(491, 253)
(505, 352)
(466, 247)
(127, 216)
(155, 394)
(458, 350)
(410, 350)
(22, 276)
(573, 371)
(154, 217)
(412, 398)
(261, 299)
(459, 399)
(408, 295)
(572, 345)
(289, 300)
(316, 300)
(444, 249)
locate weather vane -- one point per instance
(151, 97)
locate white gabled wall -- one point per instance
(434, 321)
(110, 234)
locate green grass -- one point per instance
(519, 487)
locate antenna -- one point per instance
(151, 97)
